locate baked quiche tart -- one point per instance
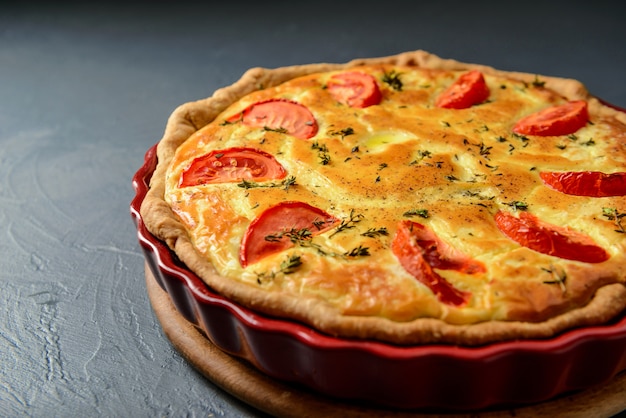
(409, 199)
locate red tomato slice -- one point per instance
(279, 114)
(563, 119)
(529, 231)
(354, 89)
(468, 90)
(230, 165)
(420, 251)
(272, 230)
(586, 183)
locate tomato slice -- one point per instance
(586, 183)
(420, 251)
(563, 119)
(230, 165)
(275, 228)
(469, 89)
(529, 231)
(354, 89)
(279, 114)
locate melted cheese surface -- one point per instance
(403, 158)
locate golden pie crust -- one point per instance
(382, 163)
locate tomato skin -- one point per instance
(231, 165)
(420, 251)
(586, 183)
(295, 118)
(468, 90)
(277, 219)
(530, 232)
(563, 119)
(355, 89)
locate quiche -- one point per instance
(408, 199)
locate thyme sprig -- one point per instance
(285, 184)
(612, 214)
(348, 223)
(558, 277)
(322, 152)
(295, 235)
(392, 78)
(304, 238)
(421, 155)
(375, 232)
(590, 142)
(359, 251)
(483, 149)
(342, 132)
(537, 82)
(279, 130)
(290, 265)
(422, 213)
(518, 205)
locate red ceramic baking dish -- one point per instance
(440, 377)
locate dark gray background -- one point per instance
(85, 90)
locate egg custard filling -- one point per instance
(409, 199)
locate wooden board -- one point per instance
(245, 382)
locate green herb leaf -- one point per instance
(343, 132)
(285, 184)
(421, 155)
(518, 205)
(558, 277)
(375, 232)
(422, 213)
(322, 152)
(289, 266)
(612, 214)
(348, 223)
(537, 82)
(392, 78)
(359, 251)
(279, 130)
